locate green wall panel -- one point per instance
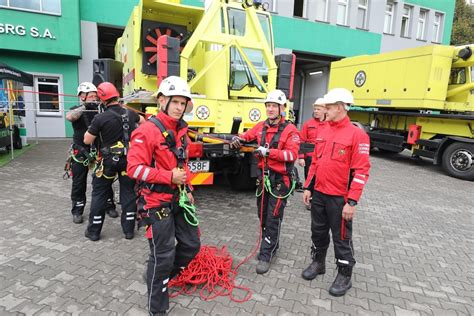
(321, 38)
(107, 12)
(446, 6)
(64, 30)
(196, 3)
(48, 64)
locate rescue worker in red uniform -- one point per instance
(337, 176)
(112, 128)
(309, 131)
(279, 143)
(158, 158)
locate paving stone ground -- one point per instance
(412, 235)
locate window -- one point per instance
(237, 20)
(437, 27)
(458, 76)
(265, 24)
(362, 14)
(48, 89)
(299, 9)
(405, 30)
(420, 33)
(240, 73)
(42, 6)
(342, 9)
(322, 10)
(388, 21)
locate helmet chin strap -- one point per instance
(167, 105)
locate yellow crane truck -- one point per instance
(226, 54)
(421, 99)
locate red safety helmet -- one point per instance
(107, 91)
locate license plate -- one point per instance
(196, 166)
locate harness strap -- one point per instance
(274, 144)
(124, 118)
(179, 152)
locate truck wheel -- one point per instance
(458, 160)
(242, 181)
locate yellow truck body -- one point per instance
(419, 99)
(218, 53)
(411, 79)
(225, 53)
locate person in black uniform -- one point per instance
(113, 129)
(83, 155)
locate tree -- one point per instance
(463, 24)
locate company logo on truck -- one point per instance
(202, 112)
(254, 115)
(360, 78)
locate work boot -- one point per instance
(91, 236)
(262, 267)
(129, 235)
(318, 266)
(77, 219)
(342, 283)
(112, 213)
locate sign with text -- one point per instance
(21, 30)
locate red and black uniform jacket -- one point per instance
(340, 163)
(309, 132)
(287, 148)
(150, 160)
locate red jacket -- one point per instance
(148, 144)
(340, 163)
(288, 145)
(309, 132)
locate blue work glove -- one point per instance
(262, 151)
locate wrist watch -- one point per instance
(351, 202)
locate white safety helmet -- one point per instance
(319, 101)
(176, 86)
(276, 96)
(86, 87)
(339, 95)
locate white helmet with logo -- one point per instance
(86, 87)
(176, 86)
(339, 95)
(276, 96)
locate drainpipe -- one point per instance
(301, 105)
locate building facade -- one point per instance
(57, 40)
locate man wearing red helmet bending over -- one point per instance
(113, 129)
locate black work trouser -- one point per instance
(79, 187)
(166, 258)
(326, 214)
(101, 189)
(307, 164)
(270, 212)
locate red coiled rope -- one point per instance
(212, 268)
